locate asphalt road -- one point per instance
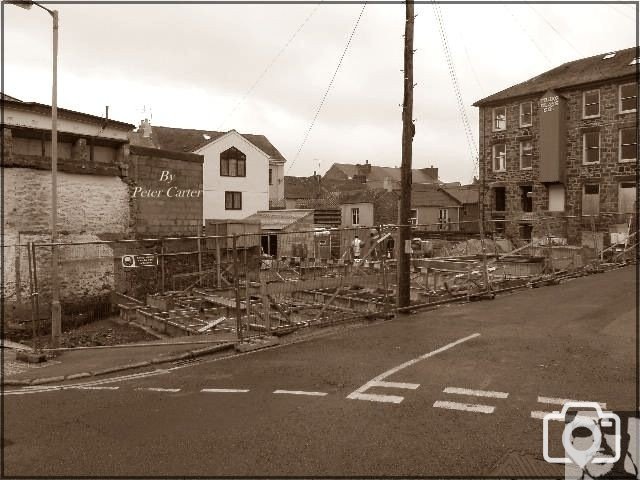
(511, 356)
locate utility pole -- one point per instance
(408, 131)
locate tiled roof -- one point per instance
(381, 173)
(279, 219)
(188, 140)
(433, 197)
(359, 196)
(577, 72)
(302, 187)
(464, 194)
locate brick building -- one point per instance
(559, 151)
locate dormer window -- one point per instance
(499, 119)
(591, 104)
(609, 55)
(634, 61)
(233, 163)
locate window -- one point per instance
(609, 55)
(628, 144)
(556, 198)
(499, 157)
(591, 199)
(355, 216)
(526, 198)
(233, 200)
(499, 199)
(526, 154)
(443, 218)
(591, 104)
(413, 217)
(526, 111)
(270, 176)
(233, 163)
(591, 147)
(626, 197)
(628, 95)
(499, 118)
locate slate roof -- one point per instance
(381, 173)
(279, 219)
(577, 72)
(465, 194)
(189, 140)
(433, 197)
(302, 187)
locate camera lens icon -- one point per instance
(588, 416)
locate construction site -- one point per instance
(226, 285)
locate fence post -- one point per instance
(236, 281)
(266, 305)
(162, 265)
(32, 294)
(199, 261)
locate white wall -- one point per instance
(254, 187)
(276, 190)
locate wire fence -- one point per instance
(275, 282)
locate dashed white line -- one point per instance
(300, 392)
(540, 415)
(477, 393)
(562, 401)
(159, 389)
(94, 388)
(408, 386)
(377, 381)
(468, 407)
(224, 390)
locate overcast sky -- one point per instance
(192, 65)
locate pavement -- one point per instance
(457, 391)
(84, 362)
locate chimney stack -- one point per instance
(145, 128)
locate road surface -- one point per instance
(455, 391)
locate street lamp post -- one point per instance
(56, 323)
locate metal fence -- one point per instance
(275, 282)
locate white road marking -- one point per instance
(477, 393)
(562, 401)
(51, 388)
(540, 415)
(377, 381)
(224, 390)
(301, 392)
(467, 407)
(95, 388)
(408, 386)
(159, 389)
(377, 398)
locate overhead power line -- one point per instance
(324, 97)
(471, 142)
(268, 67)
(566, 40)
(533, 41)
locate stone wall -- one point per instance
(608, 173)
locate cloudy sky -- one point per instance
(265, 69)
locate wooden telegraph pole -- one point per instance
(408, 131)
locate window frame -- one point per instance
(233, 197)
(239, 160)
(584, 148)
(620, 188)
(270, 176)
(493, 119)
(355, 215)
(584, 104)
(530, 167)
(635, 104)
(530, 114)
(413, 219)
(493, 157)
(626, 160)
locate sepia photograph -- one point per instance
(319, 239)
